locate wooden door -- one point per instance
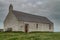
(26, 28)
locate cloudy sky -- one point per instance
(47, 8)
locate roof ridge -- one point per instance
(29, 13)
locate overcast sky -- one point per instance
(47, 8)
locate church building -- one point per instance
(21, 21)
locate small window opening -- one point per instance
(50, 27)
(36, 25)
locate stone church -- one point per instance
(21, 21)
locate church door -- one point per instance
(26, 28)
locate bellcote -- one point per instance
(10, 7)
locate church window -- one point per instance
(36, 25)
(49, 27)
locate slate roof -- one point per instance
(30, 18)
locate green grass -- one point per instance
(29, 36)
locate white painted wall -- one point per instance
(11, 22)
(41, 26)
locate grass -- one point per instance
(29, 36)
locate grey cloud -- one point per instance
(2, 10)
(55, 11)
(57, 7)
